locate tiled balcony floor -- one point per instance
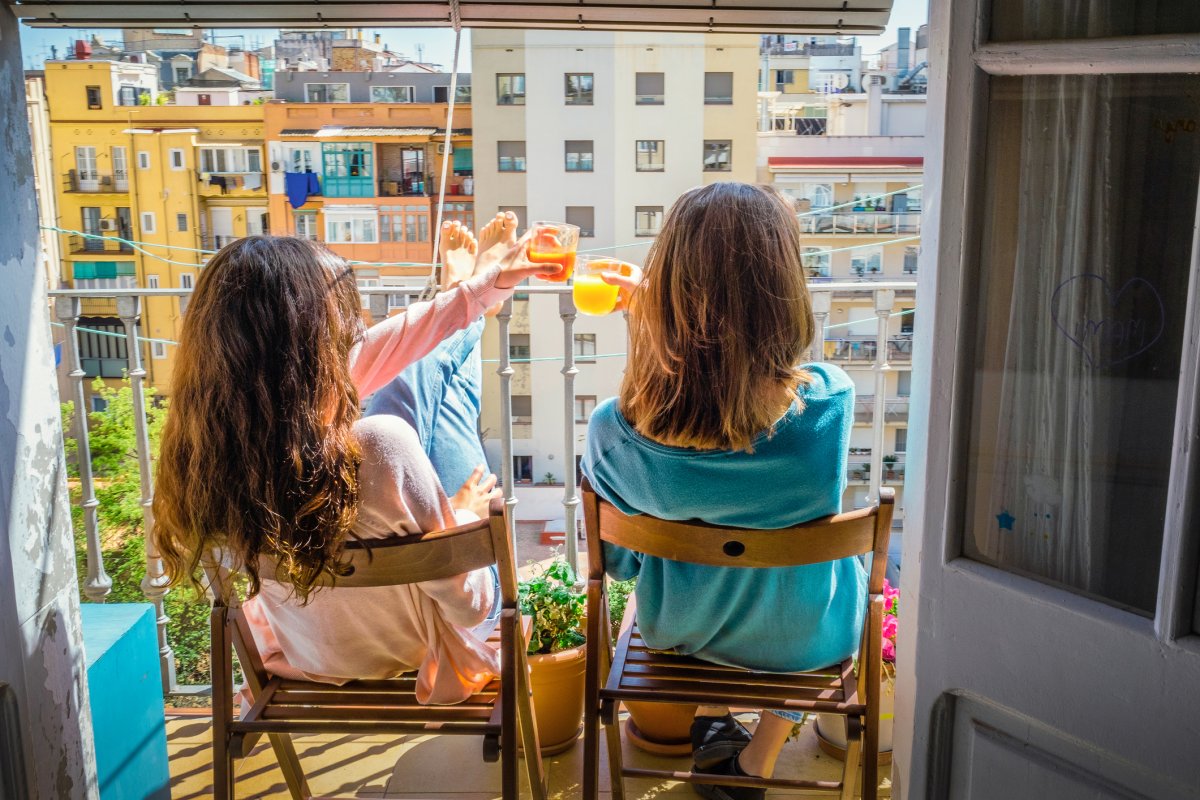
(432, 767)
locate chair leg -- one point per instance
(222, 714)
(591, 750)
(510, 780)
(534, 769)
(853, 754)
(870, 757)
(289, 764)
(223, 778)
(612, 731)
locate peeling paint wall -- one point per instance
(42, 657)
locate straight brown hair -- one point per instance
(718, 329)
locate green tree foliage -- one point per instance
(112, 437)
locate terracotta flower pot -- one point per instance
(660, 728)
(831, 728)
(558, 680)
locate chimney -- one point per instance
(875, 105)
(902, 40)
(378, 38)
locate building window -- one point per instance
(257, 223)
(816, 261)
(176, 158)
(522, 468)
(584, 217)
(866, 260)
(511, 156)
(521, 215)
(903, 383)
(182, 74)
(204, 99)
(99, 404)
(783, 78)
(579, 88)
(181, 223)
(149, 223)
(327, 93)
(93, 98)
(151, 281)
(585, 347)
(584, 406)
(235, 160)
(510, 89)
(647, 220)
(158, 350)
(908, 318)
(522, 409)
(393, 94)
(349, 170)
(104, 275)
(306, 226)
(651, 155)
(717, 155)
(143, 159)
(405, 224)
(901, 440)
(301, 159)
(910, 260)
(518, 346)
(579, 155)
(718, 88)
(462, 94)
(186, 281)
(350, 227)
(648, 88)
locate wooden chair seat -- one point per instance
(640, 673)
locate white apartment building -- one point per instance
(603, 130)
(858, 193)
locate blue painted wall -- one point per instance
(125, 691)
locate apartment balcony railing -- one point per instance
(215, 241)
(129, 303)
(861, 223)
(216, 184)
(895, 409)
(90, 181)
(806, 49)
(100, 243)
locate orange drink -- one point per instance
(555, 243)
(592, 295)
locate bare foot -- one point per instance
(495, 239)
(456, 249)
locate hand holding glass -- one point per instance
(594, 296)
(554, 243)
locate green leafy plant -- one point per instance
(890, 460)
(549, 478)
(618, 598)
(556, 606)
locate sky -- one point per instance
(436, 44)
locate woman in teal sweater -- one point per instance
(716, 422)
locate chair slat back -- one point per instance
(853, 533)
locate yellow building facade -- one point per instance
(144, 192)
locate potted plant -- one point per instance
(556, 653)
(831, 728)
(889, 461)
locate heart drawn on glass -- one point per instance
(1108, 326)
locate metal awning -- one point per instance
(716, 16)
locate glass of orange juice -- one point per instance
(554, 243)
(592, 295)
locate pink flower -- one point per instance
(889, 650)
(889, 605)
(890, 592)
(890, 624)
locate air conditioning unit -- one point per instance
(441, 149)
(276, 166)
(108, 224)
(106, 180)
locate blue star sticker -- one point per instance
(1006, 520)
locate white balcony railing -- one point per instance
(865, 467)
(860, 223)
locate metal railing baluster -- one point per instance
(566, 310)
(505, 371)
(97, 585)
(154, 582)
(885, 299)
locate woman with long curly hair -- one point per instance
(265, 452)
(718, 421)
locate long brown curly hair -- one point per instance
(718, 329)
(258, 456)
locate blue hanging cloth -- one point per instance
(296, 188)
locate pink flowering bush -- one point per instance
(891, 622)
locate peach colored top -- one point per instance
(382, 632)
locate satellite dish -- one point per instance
(841, 80)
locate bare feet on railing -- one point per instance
(495, 239)
(456, 249)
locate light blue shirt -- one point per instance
(781, 619)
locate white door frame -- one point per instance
(87, 175)
(945, 683)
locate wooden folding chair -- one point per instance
(499, 712)
(636, 672)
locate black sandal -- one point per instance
(729, 767)
(717, 739)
